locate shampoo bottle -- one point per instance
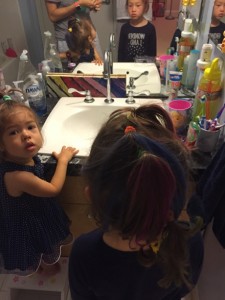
(210, 86)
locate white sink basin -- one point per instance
(72, 122)
(150, 82)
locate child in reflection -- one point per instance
(33, 227)
(217, 27)
(136, 176)
(138, 36)
(79, 38)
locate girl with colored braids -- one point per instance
(137, 175)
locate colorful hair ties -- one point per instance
(129, 129)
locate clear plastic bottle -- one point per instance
(210, 86)
(48, 41)
(45, 69)
(34, 87)
(55, 59)
(25, 66)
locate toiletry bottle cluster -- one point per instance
(51, 55)
(32, 84)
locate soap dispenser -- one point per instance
(25, 66)
(210, 86)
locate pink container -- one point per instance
(162, 63)
(180, 112)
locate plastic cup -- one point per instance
(162, 64)
(180, 113)
(207, 140)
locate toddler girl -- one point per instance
(79, 38)
(33, 227)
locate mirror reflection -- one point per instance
(217, 26)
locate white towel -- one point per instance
(121, 11)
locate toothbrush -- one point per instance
(220, 112)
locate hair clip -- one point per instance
(155, 246)
(129, 129)
(70, 29)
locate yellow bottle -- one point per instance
(186, 43)
(210, 86)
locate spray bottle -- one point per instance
(186, 43)
(210, 86)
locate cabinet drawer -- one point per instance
(73, 191)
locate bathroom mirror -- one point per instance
(195, 10)
(22, 31)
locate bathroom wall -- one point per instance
(11, 25)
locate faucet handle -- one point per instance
(72, 90)
(87, 94)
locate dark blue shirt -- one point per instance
(97, 271)
(136, 41)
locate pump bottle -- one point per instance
(186, 43)
(210, 85)
(25, 66)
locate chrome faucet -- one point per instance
(107, 75)
(112, 45)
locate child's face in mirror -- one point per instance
(219, 9)
(136, 9)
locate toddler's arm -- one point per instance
(20, 182)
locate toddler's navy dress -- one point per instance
(31, 228)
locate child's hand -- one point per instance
(98, 61)
(66, 154)
(98, 4)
